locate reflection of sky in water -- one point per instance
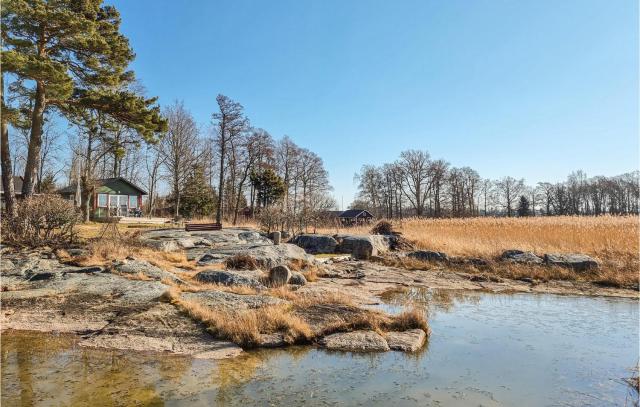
(485, 349)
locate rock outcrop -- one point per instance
(406, 341)
(427, 255)
(146, 269)
(578, 262)
(315, 244)
(519, 256)
(363, 247)
(226, 277)
(356, 341)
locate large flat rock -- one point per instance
(161, 328)
(356, 341)
(406, 341)
(230, 301)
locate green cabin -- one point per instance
(112, 197)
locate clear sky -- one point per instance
(532, 89)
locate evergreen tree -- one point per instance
(198, 198)
(269, 186)
(69, 55)
(524, 206)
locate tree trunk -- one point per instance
(35, 141)
(86, 187)
(5, 159)
(7, 171)
(221, 179)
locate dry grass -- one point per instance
(241, 262)
(103, 252)
(197, 286)
(91, 230)
(613, 240)
(308, 270)
(303, 319)
(488, 237)
(245, 327)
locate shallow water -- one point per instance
(485, 349)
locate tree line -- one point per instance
(416, 185)
(66, 61)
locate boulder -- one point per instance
(428, 255)
(363, 247)
(578, 262)
(357, 341)
(406, 341)
(267, 255)
(519, 256)
(227, 278)
(279, 276)
(315, 244)
(297, 278)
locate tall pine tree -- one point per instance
(69, 55)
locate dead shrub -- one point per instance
(241, 262)
(41, 220)
(382, 228)
(409, 319)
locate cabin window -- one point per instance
(102, 200)
(113, 201)
(133, 201)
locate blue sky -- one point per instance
(532, 89)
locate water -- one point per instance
(489, 350)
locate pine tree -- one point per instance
(69, 55)
(269, 186)
(198, 198)
(524, 206)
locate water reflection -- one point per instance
(490, 350)
(431, 300)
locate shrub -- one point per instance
(41, 220)
(241, 262)
(382, 228)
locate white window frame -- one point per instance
(106, 197)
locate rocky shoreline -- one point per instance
(123, 305)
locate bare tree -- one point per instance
(178, 148)
(416, 183)
(231, 122)
(154, 160)
(509, 190)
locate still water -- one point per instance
(485, 349)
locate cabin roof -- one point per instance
(355, 213)
(106, 185)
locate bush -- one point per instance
(41, 220)
(241, 262)
(382, 228)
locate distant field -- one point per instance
(490, 236)
(612, 240)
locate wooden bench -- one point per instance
(192, 227)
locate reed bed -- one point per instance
(489, 237)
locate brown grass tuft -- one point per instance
(103, 252)
(245, 327)
(241, 262)
(410, 319)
